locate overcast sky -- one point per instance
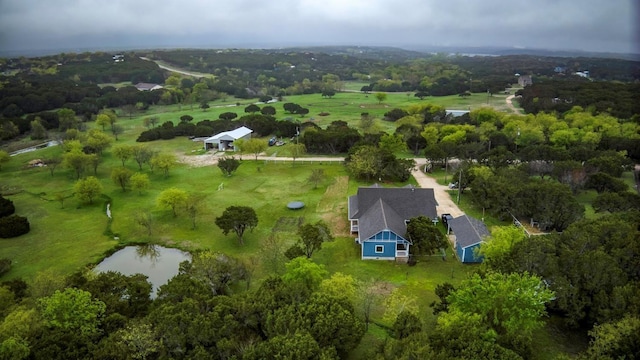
(590, 25)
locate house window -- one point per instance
(379, 249)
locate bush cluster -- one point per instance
(11, 225)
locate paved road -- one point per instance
(446, 205)
(188, 73)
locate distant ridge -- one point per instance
(391, 53)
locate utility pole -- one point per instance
(459, 184)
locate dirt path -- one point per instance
(509, 101)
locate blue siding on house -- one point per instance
(389, 249)
(467, 255)
(387, 239)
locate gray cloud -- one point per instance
(592, 25)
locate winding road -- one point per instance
(165, 67)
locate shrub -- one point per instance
(324, 114)
(14, 225)
(6, 207)
(5, 266)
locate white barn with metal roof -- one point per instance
(224, 140)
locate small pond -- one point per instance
(158, 263)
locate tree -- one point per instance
(602, 182)
(123, 152)
(311, 238)
(228, 165)
(406, 323)
(94, 160)
(13, 226)
(316, 176)
(6, 207)
(60, 197)
(173, 198)
(139, 182)
(87, 189)
(194, 206)
(253, 108)
(117, 130)
(38, 131)
(392, 143)
(268, 110)
(237, 219)
(299, 345)
(76, 160)
(296, 150)
(255, 146)
(204, 106)
(142, 154)
(291, 108)
(186, 118)
(4, 157)
(72, 310)
(121, 177)
(380, 96)
(150, 122)
(67, 119)
(164, 162)
(228, 116)
(129, 109)
(497, 252)
(615, 340)
(145, 220)
(216, 271)
(52, 164)
(424, 235)
(139, 340)
(421, 95)
(397, 303)
(103, 120)
(97, 141)
(513, 304)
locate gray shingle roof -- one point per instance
(468, 231)
(378, 217)
(407, 201)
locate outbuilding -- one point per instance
(224, 140)
(468, 234)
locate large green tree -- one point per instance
(87, 189)
(237, 219)
(228, 165)
(72, 310)
(121, 177)
(311, 238)
(424, 236)
(172, 198)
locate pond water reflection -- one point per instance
(158, 263)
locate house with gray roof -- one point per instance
(468, 234)
(378, 216)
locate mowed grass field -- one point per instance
(346, 106)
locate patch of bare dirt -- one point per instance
(198, 160)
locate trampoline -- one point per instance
(295, 205)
